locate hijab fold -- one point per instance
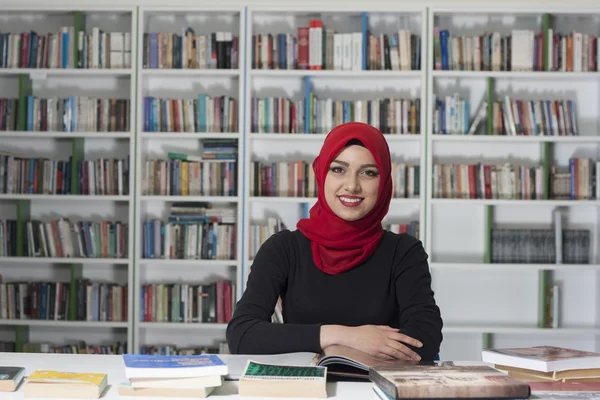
(339, 245)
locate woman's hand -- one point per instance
(379, 341)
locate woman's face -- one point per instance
(352, 183)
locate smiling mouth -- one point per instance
(350, 202)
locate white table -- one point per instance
(113, 367)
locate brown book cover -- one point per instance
(447, 381)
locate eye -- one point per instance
(336, 170)
(372, 173)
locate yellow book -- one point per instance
(60, 384)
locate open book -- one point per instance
(345, 363)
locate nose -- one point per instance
(352, 183)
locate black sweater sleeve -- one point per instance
(420, 317)
(250, 330)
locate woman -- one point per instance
(342, 279)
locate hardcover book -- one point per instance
(542, 358)
(446, 382)
(173, 366)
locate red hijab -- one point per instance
(339, 245)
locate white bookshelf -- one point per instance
(184, 83)
(44, 83)
(498, 303)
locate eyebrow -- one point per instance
(345, 164)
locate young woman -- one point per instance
(342, 279)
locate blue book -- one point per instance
(173, 366)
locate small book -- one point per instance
(447, 382)
(59, 384)
(173, 366)
(271, 380)
(10, 378)
(542, 358)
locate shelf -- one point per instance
(64, 324)
(532, 330)
(189, 135)
(514, 139)
(501, 202)
(183, 199)
(189, 72)
(57, 260)
(182, 325)
(63, 197)
(321, 136)
(519, 266)
(66, 135)
(515, 74)
(334, 73)
(42, 73)
(153, 262)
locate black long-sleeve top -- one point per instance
(393, 287)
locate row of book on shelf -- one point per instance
(194, 230)
(316, 114)
(515, 373)
(313, 47)
(188, 50)
(318, 47)
(206, 302)
(22, 174)
(577, 181)
(50, 301)
(510, 117)
(66, 48)
(79, 347)
(521, 50)
(65, 238)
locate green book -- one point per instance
(260, 379)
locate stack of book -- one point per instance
(65, 384)
(549, 368)
(172, 375)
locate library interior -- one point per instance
(275, 199)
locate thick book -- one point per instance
(10, 378)
(272, 380)
(542, 358)
(447, 382)
(172, 366)
(63, 384)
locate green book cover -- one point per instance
(260, 371)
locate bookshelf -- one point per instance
(510, 306)
(70, 199)
(499, 303)
(190, 94)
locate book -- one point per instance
(192, 383)
(542, 358)
(346, 363)
(172, 366)
(446, 381)
(125, 389)
(273, 380)
(63, 384)
(530, 375)
(10, 378)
